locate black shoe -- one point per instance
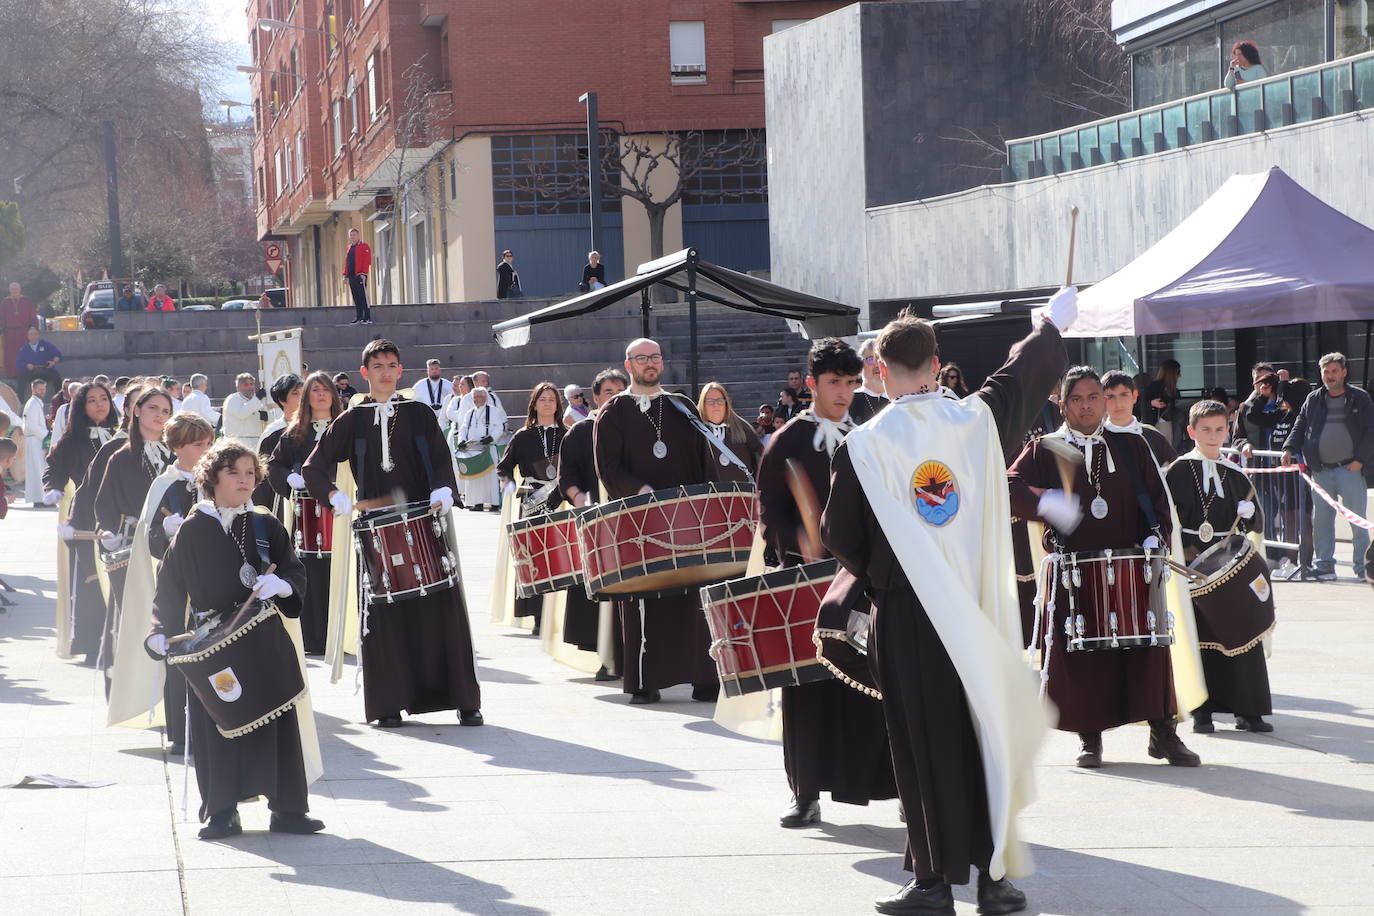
(222, 825)
(1090, 750)
(801, 813)
(356, 321)
(916, 899)
(493, 508)
(294, 823)
(535, 631)
(176, 749)
(998, 897)
(393, 721)
(471, 717)
(1253, 724)
(706, 693)
(603, 675)
(1325, 576)
(645, 697)
(1202, 723)
(1165, 744)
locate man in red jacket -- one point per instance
(357, 263)
(161, 302)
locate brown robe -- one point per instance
(533, 450)
(577, 468)
(741, 439)
(935, 751)
(1100, 689)
(666, 639)
(118, 503)
(417, 654)
(833, 737)
(202, 567)
(286, 458)
(67, 463)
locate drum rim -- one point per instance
(1123, 553)
(268, 609)
(411, 594)
(547, 586)
(616, 576)
(598, 511)
(767, 679)
(556, 517)
(407, 513)
(771, 581)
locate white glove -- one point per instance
(1063, 308)
(172, 523)
(510, 488)
(341, 503)
(1245, 509)
(444, 497)
(271, 585)
(66, 532)
(52, 498)
(112, 542)
(295, 481)
(1151, 543)
(157, 644)
(1062, 510)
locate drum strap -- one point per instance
(360, 457)
(260, 536)
(422, 446)
(716, 441)
(1142, 495)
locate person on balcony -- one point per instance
(357, 264)
(1245, 65)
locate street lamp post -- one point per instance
(593, 167)
(229, 105)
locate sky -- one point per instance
(229, 22)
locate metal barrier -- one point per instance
(1286, 502)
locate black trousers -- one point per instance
(357, 285)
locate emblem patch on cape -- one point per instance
(935, 493)
(1261, 588)
(227, 685)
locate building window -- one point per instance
(338, 124)
(281, 174)
(547, 174)
(687, 51)
(295, 71)
(261, 186)
(351, 93)
(371, 80)
(1181, 68)
(452, 180)
(1289, 33)
(331, 30)
(1354, 27)
(300, 154)
(724, 167)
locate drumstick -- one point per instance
(1073, 237)
(1066, 458)
(395, 500)
(253, 595)
(808, 509)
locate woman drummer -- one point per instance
(533, 451)
(93, 422)
(215, 563)
(320, 404)
(715, 408)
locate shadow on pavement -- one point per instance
(1301, 796)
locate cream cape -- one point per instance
(66, 588)
(959, 564)
(755, 715)
(344, 627)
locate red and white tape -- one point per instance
(1351, 517)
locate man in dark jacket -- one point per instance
(1334, 437)
(127, 301)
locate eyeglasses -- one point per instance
(715, 402)
(643, 358)
(870, 360)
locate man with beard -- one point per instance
(435, 390)
(643, 444)
(833, 736)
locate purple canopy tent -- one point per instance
(1261, 251)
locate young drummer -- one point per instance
(205, 566)
(1212, 496)
(1120, 395)
(287, 394)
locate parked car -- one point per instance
(198, 307)
(97, 313)
(240, 304)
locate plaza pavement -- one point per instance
(571, 802)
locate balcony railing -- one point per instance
(1335, 88)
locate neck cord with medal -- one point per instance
(721, 431)
(548, 458)
(660, 447)
(1098, 507)
(1205, 531)
(248, 574)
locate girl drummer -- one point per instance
(320, 404)
(215, 563)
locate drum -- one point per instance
(314, 525)
(546, 554)
(664, 543)
(1235, 603)
(404, 553)
(762, 627)
(1115, 599)
(117, 558)
(245, 673)
(472, 466)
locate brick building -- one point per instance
(417, 123)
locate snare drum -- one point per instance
(245, 673)
(1235, 603)
(404, 553)
(546, 554)
(1115, 599)
(762, 627)
(116, 559)
(314, 522)
(665, 542)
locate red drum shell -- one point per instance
(1113, 611)
(547, 555)
(667, 541)
(404, 553)
(314, 523)
(762, 627)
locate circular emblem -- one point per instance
(935, 493)
(462, 468)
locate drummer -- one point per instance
(1120, 394)
(475, 434)
(1095, 691)
(215, 563)
(417, 653)
(1212, 496)
(286, 394)
(317, 408)
(833, 737)
(533, 450)
(643, 444)
(579, 487)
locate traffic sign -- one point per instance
(273, 265)
(273, 251)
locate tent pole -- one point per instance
(1367, 326)
(692, 320)
(644, 309)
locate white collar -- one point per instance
(319, 426)
(829, 433)
(1210, 474)
(226, 516)
(864, 389)
(386, 410)
(187, 476)
(101, 434)
(158, 454)
(918, 396)
(1132, 427)
(645, 401)
(1086, 441)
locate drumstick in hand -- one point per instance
(1073, 237)
(1066, 458)
(254, 594)
(809, 511)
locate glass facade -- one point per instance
(1290, 34)
(1187, 66)
(546, 174)
(1354, 26)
